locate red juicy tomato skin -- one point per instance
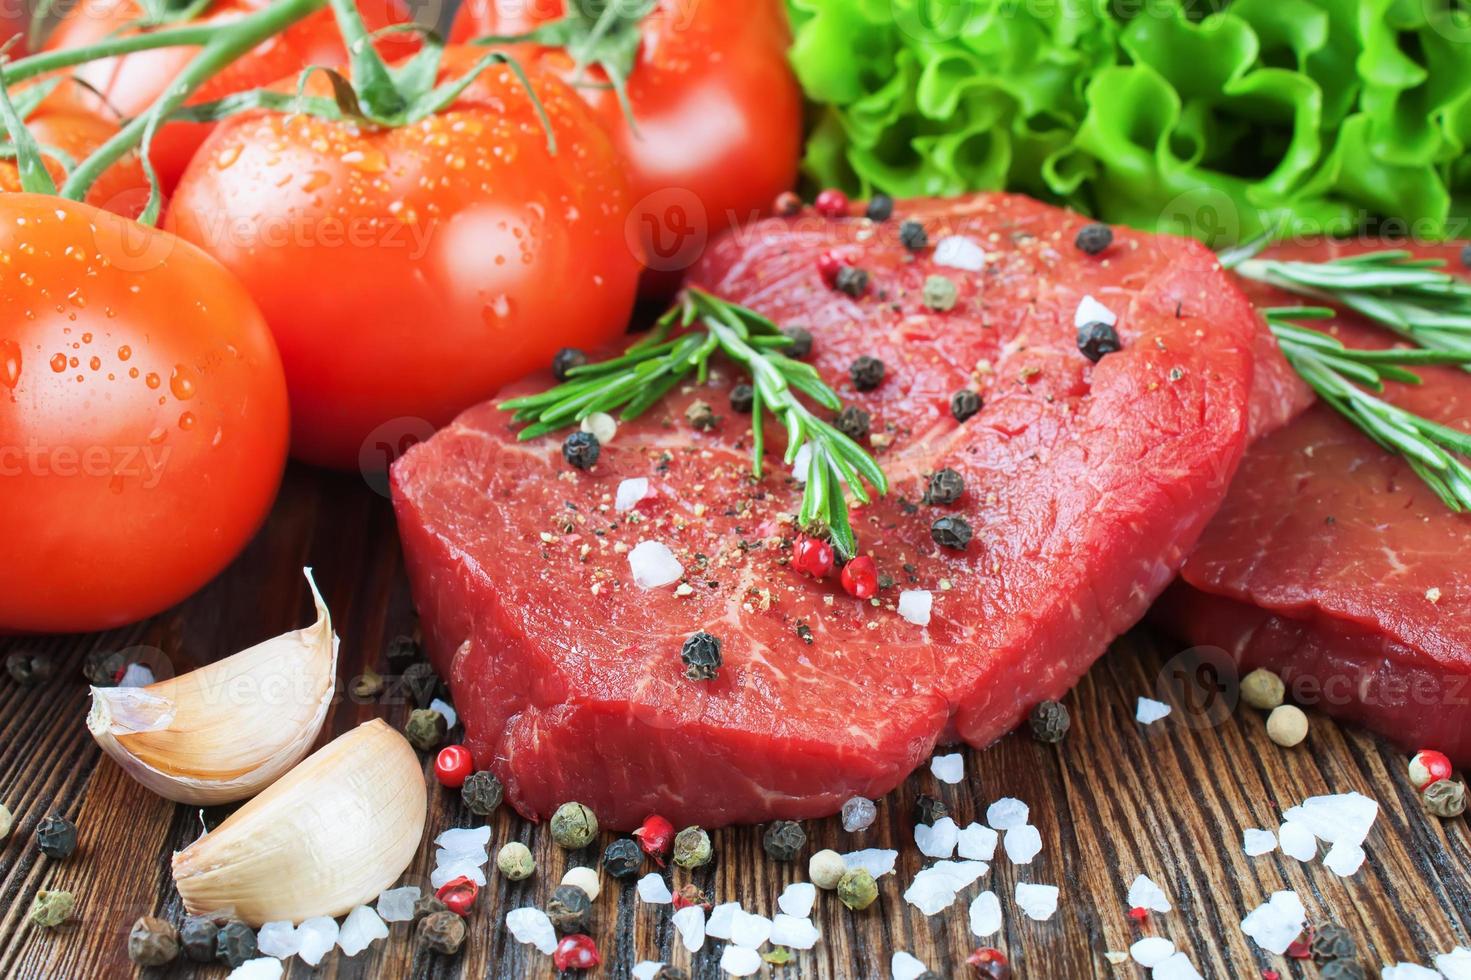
(717, 109)
(131, 83)
(122, 188)
(143, 417)
(409, 273)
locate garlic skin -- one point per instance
(231, 728)
(328, 836)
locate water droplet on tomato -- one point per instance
(226, 157)
(316, 180)
(124, 352)
(152, 380)
(186, 421)
(95, 363)
(181, 382)
(159, 434)
(9, 363)
(79, 301)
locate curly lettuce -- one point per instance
(1296, 116)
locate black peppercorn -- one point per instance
(786, 204)
(951, 532)
(28, 669)
(482, 793)
(927, 809)
(700, 415)
(198, 938)
(403, 652)
(422, 684)
(153, 942)
(784, 840)
(104, 668)
(1050, 721)
(428, 904)
(623, 858)
(1096, 339)
(1094, 238)
(235, 944)
(853, 422)
(566, 359)
(912, 234)
(1332, 941)
(867, 373)
(1343, 970)
(568, 909)
(56, 836)
(853, 282)
(671, 973)
(801, 342)
(701, 656)
(880, 207)
(964, 404)
(742, 399)
(581, 449)
(945, 487)
(443, 932)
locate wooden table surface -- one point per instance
(1116, 799)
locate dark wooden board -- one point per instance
(1114, 800)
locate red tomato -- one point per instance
(409, 273)
(143, 417)
(131, 83)
(718, 114)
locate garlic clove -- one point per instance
(325, 838)
(229, 729)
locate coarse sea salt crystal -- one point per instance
(1298, 841)
(397, 904)
(646, 969)
(1022, 844)
(876, 860)
(1149, 711)
(136, 675)
(463, 868)
(1344, 858)
(653, 891)
(749, 929)
(1258, 842)
(464, 838)
(1038, 902)
(314, 938)
(1091, 311)
(904, 966)
(859, 813)
(1151, 952)
(959, 252)
(1456, 965)
(1338, 817)
(630, 492)
(985, 915)
(935, 887)
(915, 606)
(977, 842)
(1145, 894)
(601, 425)
(794, 931)
(948, 768)
(261, 968)
(937, 840)
(690, 924)
(653, 565)
(1409, 971)
(1176, 967)
(797, 899)
(740, 961)
(447, 710)
(278, 939)
(722, 917)
(1276, 923)
(360, 929)
(1006, 813)
(531, 926)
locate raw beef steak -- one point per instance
(1334, 565)
(1086, 486)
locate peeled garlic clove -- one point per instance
(227, 730)
(327, 837)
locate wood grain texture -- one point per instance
(1116, 799)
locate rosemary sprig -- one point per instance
(680, 344)
(1437, 453)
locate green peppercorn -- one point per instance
(701, 656)
(403, 652)
(1262, 689)
(482, 793)
(700, 415)
(964, 403)
(198, 936)
(428, 904)
(912, 235)
(742, 399)
(853, 422)
(927, 809)
(51, 908)
(857, 889)
(235, 944)
(581, 450)
(951, 532)
(569, 908)
(801, 342)
(6, 821)
(1332, 941)
(425, 729)
(940, 293)
(574, 826)
(103, 668)
(1049, 721)
(565, 360)
(443, 933)
(1094, 238)
(623, 858)
(851, 281)
(28, 669)
(57, 837)
(945, 487)
(153, 942)
(515, 861)
(1445, 798)
(1096, 338)
(867, 372)
(880, 208)
(1343, 970)
(784, 840)
(692, 848)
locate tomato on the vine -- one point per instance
(130, 83)
(143, 417)
(408, 272)
(717, 115)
